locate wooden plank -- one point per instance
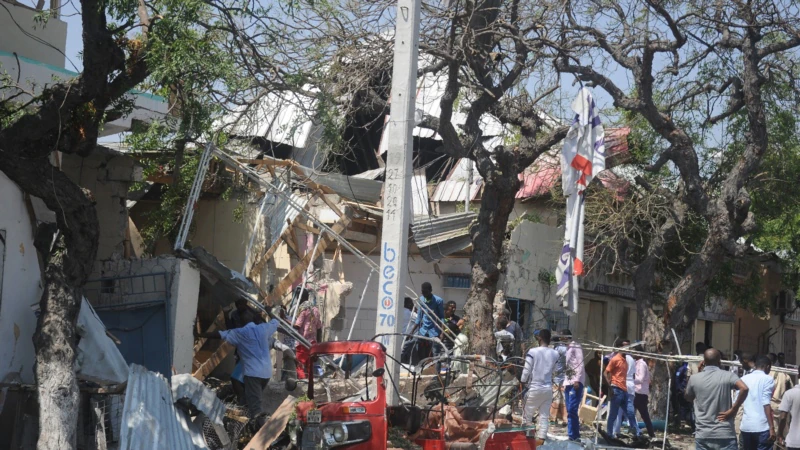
(331, 205)
(367, 222)
(293, 239)
(296, 273)
(218, 321)
(290, 241)
(258, 264)
(307, 228)
(273, 427)
(208, 366)
(358, 236)
(267, 162)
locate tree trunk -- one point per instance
(56, 346)
(488, 235)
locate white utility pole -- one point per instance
(397, 189)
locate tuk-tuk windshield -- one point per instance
(344, 378)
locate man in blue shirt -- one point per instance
(252, 343)
(427, 326)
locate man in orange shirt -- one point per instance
(616, 374)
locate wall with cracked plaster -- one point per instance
(21, 286)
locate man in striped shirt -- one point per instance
(574, 380)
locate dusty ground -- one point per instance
(681, 440)
(275, 394)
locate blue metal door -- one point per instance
(143, 334)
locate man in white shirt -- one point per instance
(409, 319)
(758, 431)
(790, 405)
(642, 396)
(538, 375)
(631, 387)
(747, 367)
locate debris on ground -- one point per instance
(274, 426)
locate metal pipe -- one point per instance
(360, 302)
(194, 195)
(305, 278)
(600, 394)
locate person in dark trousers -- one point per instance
(452, 323)
(428, 326)
(574, 381)
(240, 316)
(758, 426)
(714, 411)
(683, 408)
(408, 341)
(642, 397)
(252, 342)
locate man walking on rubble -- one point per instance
(538, 375)
(710, 390)
(252, 342)
(758, 429)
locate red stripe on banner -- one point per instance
(577, 266)
(582, 164)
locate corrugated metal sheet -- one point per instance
(371, 174)
(277, 117)
(419, 193)
(150, 419)
(186, 386)
(357, 189)
(437, 237)
(537, 182)
(99, 358)
(279, 212)
(454, 188)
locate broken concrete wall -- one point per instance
(108, 175)
(184, 294)
(222, 227)
(163, 279)
(20, 283)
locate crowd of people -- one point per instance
(751, 407)
(747, 407)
